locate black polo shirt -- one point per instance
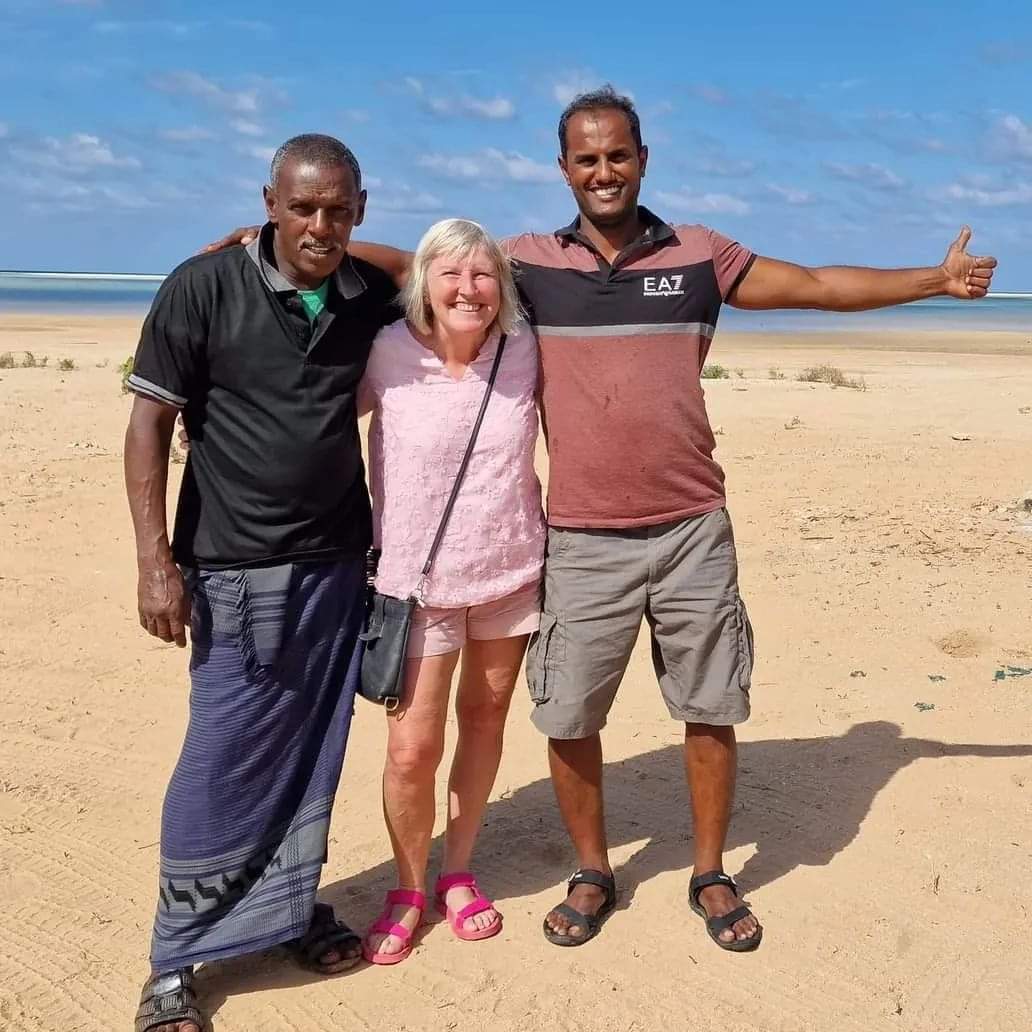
(275, 470)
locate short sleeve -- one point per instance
(172, 346)
(511, 245)
(367, 396)
(731, 261)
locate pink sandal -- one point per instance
(477, 906)
(396, 897)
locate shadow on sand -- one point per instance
(800, 802)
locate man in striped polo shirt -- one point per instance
(625, 306)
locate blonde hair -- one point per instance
(458, 238)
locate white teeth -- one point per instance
(463, 307)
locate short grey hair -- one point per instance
(458, 238)
(315, 149)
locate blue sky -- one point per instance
(131, 133)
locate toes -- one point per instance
(558, 923)
(727, 935)
(747, 928)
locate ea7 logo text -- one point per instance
(663, 286)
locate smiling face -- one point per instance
(314, 208)
(603, 166)
(464, 292)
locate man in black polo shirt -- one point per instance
(261, 349)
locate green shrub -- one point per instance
(832, 375)
(66, 365)
(715, 372)
(7, 360)
(125, 370)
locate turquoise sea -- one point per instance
(131, 294)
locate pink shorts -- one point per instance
(436, 631)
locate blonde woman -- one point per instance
(424, 385)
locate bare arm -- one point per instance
(164, 605)
(392, 260)
(843, 288)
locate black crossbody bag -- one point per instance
(389, 619)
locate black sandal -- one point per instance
(168, 998)
(716, 925)
(326, 934)
(591, 923)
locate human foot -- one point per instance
(730, 923)
(389, 939)
(470, 913)
(168, 1003)
(329, 946)
(591, 895)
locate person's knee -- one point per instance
(414, 757)
(484, 715)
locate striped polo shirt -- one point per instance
(622, 349)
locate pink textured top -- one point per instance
(422, 420)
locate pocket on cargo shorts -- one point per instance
(547, 647)
(746, 649)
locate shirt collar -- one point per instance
(348, 283)
(656, 230)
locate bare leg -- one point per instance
(415, 743)
(710, 760)
(576, 767)
(489, 671)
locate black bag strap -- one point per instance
(439, 536)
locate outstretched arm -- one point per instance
(843, 288)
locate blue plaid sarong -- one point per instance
(274, 668)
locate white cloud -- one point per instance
(357, 115)
(186, 134)
(688, 200)
(1011, 138)
(255, 150)
(3, 130)
(461, 106)
(869, 174)
(499, 108)
(78, 152)
(791, 194)
(712, 94)
(151, 27)
(564, 90)
(572, 85)
(717, 165)
(985, 196)
(191, 84)
(403, 200)
(246, 127)
(490, 164)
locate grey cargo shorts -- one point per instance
(682, 577)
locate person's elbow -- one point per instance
(149, 421)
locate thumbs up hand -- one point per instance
(967, 276)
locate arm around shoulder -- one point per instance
(395, 262)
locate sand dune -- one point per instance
(883, 828)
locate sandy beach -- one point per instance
(883, 825)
